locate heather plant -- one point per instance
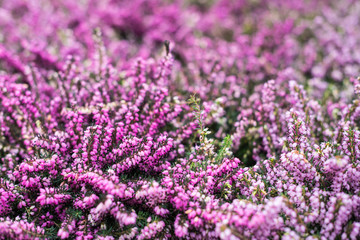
(179, 119)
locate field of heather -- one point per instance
(179, 119)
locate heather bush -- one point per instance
(180, 119)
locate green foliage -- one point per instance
(225, 144)
(245, 151)
(74, 213)
(194, 102)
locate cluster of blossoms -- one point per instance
(182, 119)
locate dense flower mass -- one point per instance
(179, 119)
